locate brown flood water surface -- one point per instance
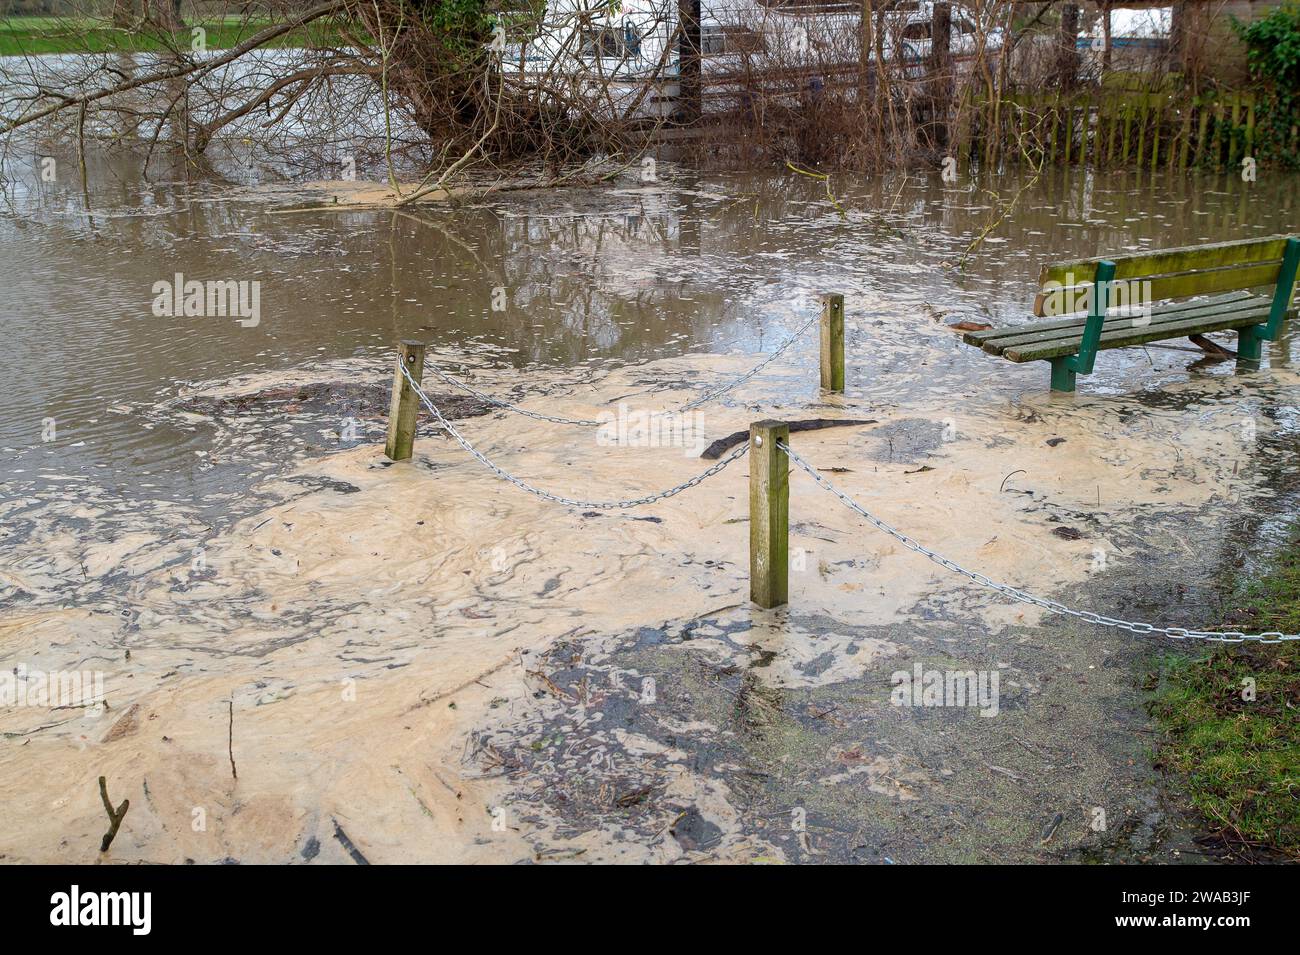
(421, 662)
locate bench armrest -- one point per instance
(1284, 288)
(1083, 361)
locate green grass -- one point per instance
(1240, 759)
(33, 35)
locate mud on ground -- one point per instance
(420, 662)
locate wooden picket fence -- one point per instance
(1113, 126)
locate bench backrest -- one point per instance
(1176, 273)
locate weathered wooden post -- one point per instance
(1068, 62)
(833, 342)
(689, 85)
(1106, 37)
(404, 408)
(940, 68)
(769, 514)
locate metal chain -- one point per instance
(584, 422)
(709, 396)
(1176, 633)
(546, 495)
(456, 383)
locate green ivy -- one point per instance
(463, 27)
(1273, 57)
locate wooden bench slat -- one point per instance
(1112, 303)
(1124, 338)
(1180, 286)
(1248, 306)
(1168, 261)
(980, 338)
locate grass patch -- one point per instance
(1240, 758)
(35, 35)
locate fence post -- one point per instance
(404, 408)
(940, 69)
(689, 83)
(1068, 56)
(833, 342)
(769, 514)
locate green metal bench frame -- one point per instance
(1172, 273)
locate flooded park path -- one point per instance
(312, 654)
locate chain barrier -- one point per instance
(1176, 633)
(456, 383)
(585, 422)
(709, 396)
(546, 495)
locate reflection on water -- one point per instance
(567, 278)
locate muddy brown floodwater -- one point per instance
(310, 654)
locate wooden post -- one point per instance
(404, 409)
(1106, 36)
(1179, 61)
(833, 342)
(769, 514)
(689, 85)
(1068, 61)
(866, 43)
(941, 71)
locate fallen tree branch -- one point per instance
(115, 816)
(230, 741)
(304, 78)
(716, 449)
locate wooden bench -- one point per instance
(1177, 292)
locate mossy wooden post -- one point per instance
(1250, 124)
(769, 514)
(404, 408)
(1145, 109)
(833, 342)
(1069, 128)
(1185, 146)
(1202, 105)
(1112, 108)
(1127, 108)
(1234, 141)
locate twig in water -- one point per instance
(230, 741)
(824, 177)
(348, 845)
(115, 816)
(1010, 207)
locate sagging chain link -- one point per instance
(457, 383)
(588, 423)
(1176, 633)
(718, 392)
(546, 495)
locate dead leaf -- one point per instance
(126, 724)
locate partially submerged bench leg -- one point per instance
(1251, 338)
(1062, 374)
(1065, 368)
(1250, 341)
